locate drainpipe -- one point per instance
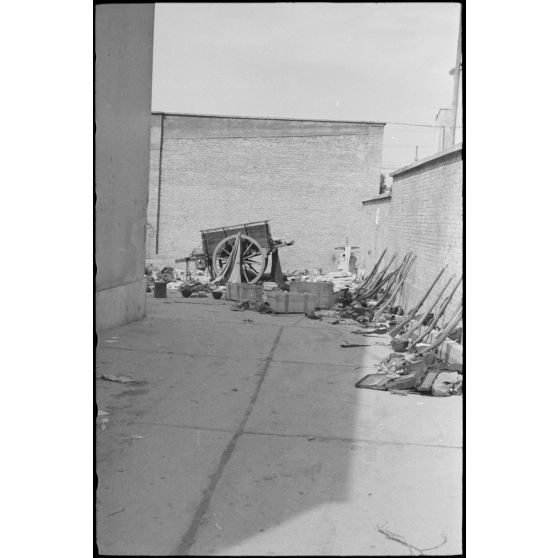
(159, 186)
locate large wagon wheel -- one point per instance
(254, 259)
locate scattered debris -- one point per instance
(104, 423)
(447, 383)
(373, 381)
(414, 373)
(261, 307)
(378, 330)
(118, 379)
(312, 315)
(400, 539)
(199, 294)
(115, 512)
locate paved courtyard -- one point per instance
(243, 434)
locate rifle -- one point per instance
(371, 274)
(431, 307)
(389, 281)
(445, 332)
(414, 310)
(404, 273)
(377, 280)
(437, 317)
(384, 283)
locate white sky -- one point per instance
(383, 62)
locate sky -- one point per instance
(365, 61)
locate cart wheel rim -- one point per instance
(254, 259)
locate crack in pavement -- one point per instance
(189, 537)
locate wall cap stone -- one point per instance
(157, 113)
(379, 197)
(433, 158)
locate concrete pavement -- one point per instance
(244, 435)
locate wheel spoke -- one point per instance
(250, 267)
(251, 272)
(250, 244)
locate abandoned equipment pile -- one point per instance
(369, 302)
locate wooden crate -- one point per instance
(291, 303)
(323, 290)
(242, 292)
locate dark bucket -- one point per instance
(160, 290)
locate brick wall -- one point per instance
(308, 178)
(424, 214)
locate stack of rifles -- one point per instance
(381, 288)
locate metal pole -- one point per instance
(456, 76)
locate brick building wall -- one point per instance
(425, 215)
(308, 178)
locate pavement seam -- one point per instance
(313, 325)
(295, 435)
(348, 440)
(242, 359)
(189, 537)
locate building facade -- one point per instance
(123, 64)
(307, 177)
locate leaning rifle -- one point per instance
(414, 310)
(445, 332)
(437, 317)
(409, 264)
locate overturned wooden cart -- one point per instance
(256, 247)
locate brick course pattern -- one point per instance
(425, 215)
(308, 178)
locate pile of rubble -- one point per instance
(189, 284)
(408, 373)
(341, 280)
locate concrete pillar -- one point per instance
(123, 66)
